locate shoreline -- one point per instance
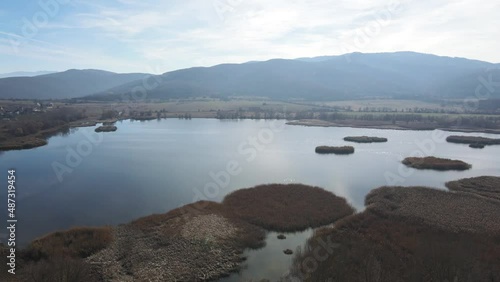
(209, 238)
(322, 123)
(40, 139)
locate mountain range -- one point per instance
(349, 76)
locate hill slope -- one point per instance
(63, 85)
(356, 75)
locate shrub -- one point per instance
(407, 234)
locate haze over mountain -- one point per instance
(63, 85)
(24, 73)
(356, 75)
(350, 76)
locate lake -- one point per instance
(85, 178)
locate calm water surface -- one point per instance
(155, 166)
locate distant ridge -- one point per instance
(63, 85)
(357, 75)
(350, 76)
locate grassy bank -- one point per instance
(23, 130)
(450, 123)
(436, 163)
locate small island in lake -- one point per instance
(436, 163)
(365, 139)
(24, 143)
(106, 128)
(477, 146)
(207, 237)
(474, 141)
(343, 150)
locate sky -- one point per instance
(159, 36)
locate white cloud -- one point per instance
(177, 34)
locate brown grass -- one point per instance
(78, 242)
(476, 146)
(436, 163)
(292, 207)
(486, 186)
(106, 128)
(365, 139)
(472, 140)
(170, 224)
(456, 212)
(197, 242)
(344, 150)
(408, 234)
(60, 270)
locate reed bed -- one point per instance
(365, 139)
(344, 150)
(436, 163)
(292, 207)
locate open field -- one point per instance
(407, 234)
(393, 104)
(435, 163)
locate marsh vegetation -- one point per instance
(343, 150)
(204, 239)
(435, 163)
(106, 128)
(407, 234)
(292, 207)
(365, 139)
(472, 140)
(477, 146)
(486, 186)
